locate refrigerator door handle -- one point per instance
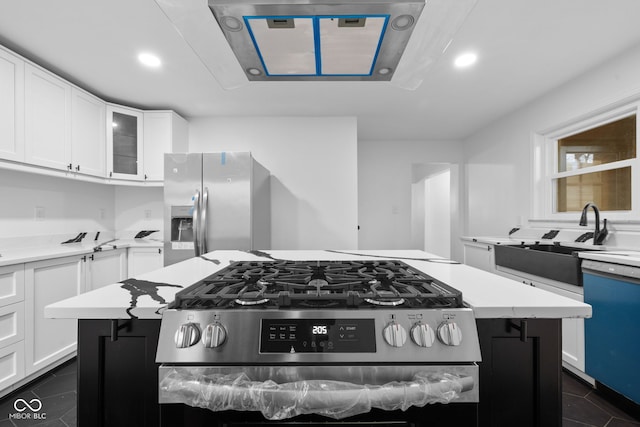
(203, 220)
(196, 219)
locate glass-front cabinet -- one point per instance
(124, 143)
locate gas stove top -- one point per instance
(316, 312)
(318, 285)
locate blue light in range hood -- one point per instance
(319, 39)
(317, 46)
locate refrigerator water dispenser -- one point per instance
(182, 227)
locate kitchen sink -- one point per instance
(556, 262)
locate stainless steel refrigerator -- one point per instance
(214, 201)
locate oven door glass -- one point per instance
(282, 392)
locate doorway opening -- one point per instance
(433, 207)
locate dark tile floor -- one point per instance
(582, 406)
(56, 392)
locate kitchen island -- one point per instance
(519, 329)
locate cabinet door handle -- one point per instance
(110, 174)
(70, 166)
(145, 176)
(522, 328)
(159, 251)
(78, 168)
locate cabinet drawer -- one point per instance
(11, 364)
(11, 324)
(11, 284)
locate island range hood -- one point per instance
(283, 40)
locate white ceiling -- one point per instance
(525, 49)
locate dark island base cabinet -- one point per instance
(520, 374)
(118, 378)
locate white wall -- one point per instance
(70, 206)
(385, 175)
(313, 165)
(437, 218)
(498, 159)
(137, 209)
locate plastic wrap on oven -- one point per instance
(335, 399)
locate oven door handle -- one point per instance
(335, 399)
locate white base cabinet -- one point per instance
(11, 284)
(12, 367)
(573, 347)
(106, 268)
(31, 344)
(12, 325)
(143, 260)
(479, 255)
(46, 282)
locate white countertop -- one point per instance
(631, 258)
(38, 253)
(146, 296)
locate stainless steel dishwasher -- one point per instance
(611, 335)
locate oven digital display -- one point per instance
(319, 329)
(318, 336)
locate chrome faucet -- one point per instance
(598, 235)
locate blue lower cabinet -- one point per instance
(612, 334)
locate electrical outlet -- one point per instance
(102, 213)
(39, 214)
(147, 214)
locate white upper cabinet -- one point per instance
(124, 143)
(11, 107)
(47, 119)
(164, 132)
(64, 130)
(88, 136)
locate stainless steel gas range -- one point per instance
(310, 341)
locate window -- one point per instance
(580, 153)
(590, 160)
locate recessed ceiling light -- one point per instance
(149, 59)
(465, 60)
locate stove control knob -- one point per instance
(422, 334)
(187, 335)
(214, 335)
(394, 334)
(449, 333)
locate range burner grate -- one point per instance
(318, 284)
